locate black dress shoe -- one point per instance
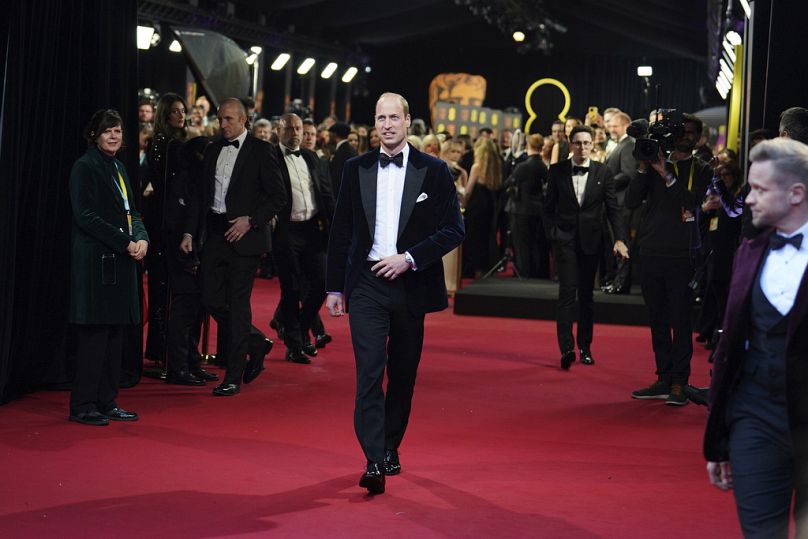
(278, 327)
(183, 378)
(586, 357)
(309, 349)
(373, 479)
(119, 414)
(390, 464)
(90, 418)
(226, 390)
(255, 366)
(567, 359)
(321, 340)
(202, 374)
(297, 356)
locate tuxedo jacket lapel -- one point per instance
(241, 159)
(367, 189)
(413, 181)
(800, 308)
(591, 179)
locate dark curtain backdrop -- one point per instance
(599, 80)
(62, 60)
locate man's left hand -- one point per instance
(241, 225)
(390, 267)
(620, 249)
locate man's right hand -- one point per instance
(335, 304)
(659, 164)
(720, 474)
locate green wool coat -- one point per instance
(100, 230)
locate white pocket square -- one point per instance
(421, 197)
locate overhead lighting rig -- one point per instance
(527, 22)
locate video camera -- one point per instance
(661, 134)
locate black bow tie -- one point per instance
(578, 171)
(776, 241)
(233, 143)
(385, 159)
(292, 152)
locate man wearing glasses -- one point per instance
(578, 192)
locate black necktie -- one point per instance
(233, 143)
(385, 159)
(776, 241)
(578, 171)
(292, 152)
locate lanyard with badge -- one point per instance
(121, 185)
(687, 215)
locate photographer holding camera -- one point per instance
(668, 237)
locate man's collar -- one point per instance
(240, 138)
(284, 147)
(405, 150)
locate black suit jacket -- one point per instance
(256, 190)
(566, 220)
(337, 165)
(623, 166)
(428, 228)
(322, 193)
(526, 186)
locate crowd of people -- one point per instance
(216, 194)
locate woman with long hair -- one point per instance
(485, 180)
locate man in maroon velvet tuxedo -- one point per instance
(756, 440)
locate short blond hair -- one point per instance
(788, 156)
(401, 100)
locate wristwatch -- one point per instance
(408, 259)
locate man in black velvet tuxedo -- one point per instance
(397, 214)
(243, 190)
(578, 192)
(300, 237)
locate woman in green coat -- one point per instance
(108, 240)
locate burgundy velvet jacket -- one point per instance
(731, 350)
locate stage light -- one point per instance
(329, 70)
(368, 69)
(144, 36)
(645, 71)
(175, 46)
(725, 69)
(727, 59)
(350, 73)
(280, 61)
(746, 9)
(723, 78)
(734, 38)
(256, 49)
(722, 91)
(306, 66)
(250, 59)
(518, 36)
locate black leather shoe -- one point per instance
(567, 359)
(321, 340)
(297, 356)
(278, 327)
(183, 378)
(226, 390)
(309, 349)
(119, 414)
(586, 357)
(255, 365)
(373, 479)
(390, 464)
(204, 375)
(90, 418)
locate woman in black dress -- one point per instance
(485, 180)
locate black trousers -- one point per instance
(300, 257)
(385, 333)
(227, 281)
(98, 368)
(530, 250)
(766, 471)
(576, 277)
(669, 299)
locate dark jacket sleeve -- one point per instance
(339, 240)
(274, 196)
(613, 210)
(628, 167)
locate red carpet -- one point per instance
(502, 443)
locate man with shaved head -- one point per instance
(242, 192)
(397, 214)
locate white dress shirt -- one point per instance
(304, 205)
(389, 192)
(579, 181)
(782, 272)
(224, 169)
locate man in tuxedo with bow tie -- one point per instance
(299, 238)
(578, 193)
(756, 441)
(397, 214)
(242, 191)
